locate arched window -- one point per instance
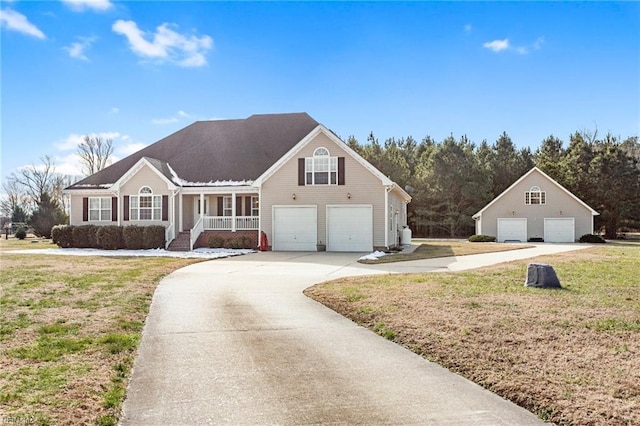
(535, 196)
(321, 169)
(145, 206)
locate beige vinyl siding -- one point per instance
(144, 177)
(558, 205)
(364, 188)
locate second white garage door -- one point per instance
(559, 230)
(350, 228)
(512, 229)
(294, 228)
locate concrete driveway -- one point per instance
(235, 341)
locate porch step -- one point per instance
(181, 242)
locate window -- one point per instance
(535, 196)
(255, 210)
(227, 206)
(321, 169)
(99, 208)
(145, 205)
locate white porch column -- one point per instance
(201, 205)
(233, 212)
(180, 212)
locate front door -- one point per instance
(196, 208)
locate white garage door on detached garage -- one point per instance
(512, 229)
(295, 228)
(350, 228)
(559, 230)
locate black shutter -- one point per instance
(301, 171)
(125, 208)
(247, 206)
(114, 209)
(340, 170)
(85, 209)
(220, 212)
(165, 207)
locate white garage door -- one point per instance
(350, 228)
(294, 228)
(559, 230)
(512, 229)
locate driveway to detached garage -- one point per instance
(235, 341)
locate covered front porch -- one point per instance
(234, 211)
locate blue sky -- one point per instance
(139, 71)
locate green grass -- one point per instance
(69, 329)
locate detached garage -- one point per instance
(536, 207)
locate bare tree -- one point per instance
(13, 197)
(38, 180)
(94, 153)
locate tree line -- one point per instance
(453, 179)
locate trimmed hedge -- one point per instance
(154, 237)
(482, 238)
(133, 237)
(109, 237)
(591, 238)
(62, 235)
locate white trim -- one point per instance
(135, 169)
(219, 190)
(340, 144)
(593, 212)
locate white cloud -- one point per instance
(165, 44)
(82, 5)
(15, 21)
(537, 45)
(130, 148)
(76, 50)
(497, 45)
(174, 119)
(73, 140)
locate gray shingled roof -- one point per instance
(220, 150)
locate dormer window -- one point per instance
(535, 196)
(322, 168)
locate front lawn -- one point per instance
(571, 356)
(69, 330)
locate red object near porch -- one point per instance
(264, 244)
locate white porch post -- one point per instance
(180, 212)
(201, 205)
(233, 212)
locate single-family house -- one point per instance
(284, 175)
(536, 207)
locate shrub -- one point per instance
(84, 236)
(591, 238)
(110, 237)
(154, 237)
(62, 235)
(133, 237)
(21, 234)
(216, 242)
(536, 240)
(482, 238)
(235, 243)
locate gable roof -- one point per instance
(336, 140)
(536, 169)
(208, 152)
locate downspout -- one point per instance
(259, 213)
(387, 190)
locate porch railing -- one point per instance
(225, 223)
(169, 234)
(195, 232)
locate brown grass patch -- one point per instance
(434, 249)
(69, 329)
(571, 356)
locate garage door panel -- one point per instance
(294, 228)
(559, 230)
(512, 229)
(350, 228)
